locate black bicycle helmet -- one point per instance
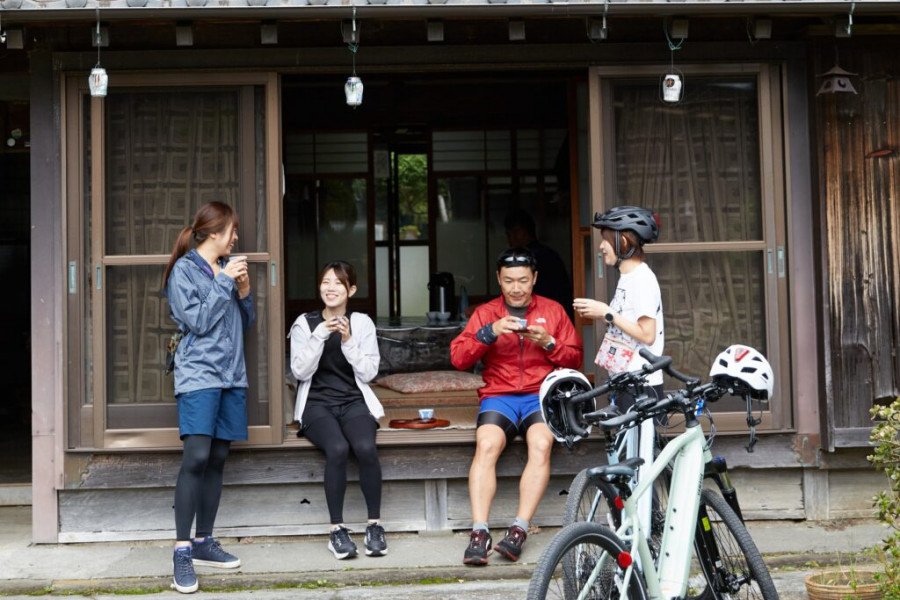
(642, 222)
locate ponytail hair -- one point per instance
(212, 217)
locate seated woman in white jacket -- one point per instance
(334, 354)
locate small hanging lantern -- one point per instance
(98, 80)
(836, 80)
(353, 87)
(353, 90)
(671, 87)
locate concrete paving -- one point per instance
(418, 565)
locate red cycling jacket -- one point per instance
(513, 364)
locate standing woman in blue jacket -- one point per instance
(210, 302)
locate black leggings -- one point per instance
(199, 485)
(336, 439)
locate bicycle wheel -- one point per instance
(729, 558)
(582, 562)
(590, 500)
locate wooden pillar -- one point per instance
(47, 296)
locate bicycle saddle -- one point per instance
(626, 468)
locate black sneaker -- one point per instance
(341, 545)
(375, 542)
(209, 553)
(479, 548)
(185, 578)
(511, 545)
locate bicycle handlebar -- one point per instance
(620, 381)
(667, 367)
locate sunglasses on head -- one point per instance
(518, 259)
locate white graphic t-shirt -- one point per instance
(637, 295)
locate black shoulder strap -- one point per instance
(313, 319)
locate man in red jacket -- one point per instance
(520, 338)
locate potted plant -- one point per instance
(885, 438)
(841, 583)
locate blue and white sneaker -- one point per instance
(185, 579)
(209, 553)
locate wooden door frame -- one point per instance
(778, 417)
(92, 417)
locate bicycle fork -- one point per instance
(717, 470)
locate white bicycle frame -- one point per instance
(638, 441)
(669, 578)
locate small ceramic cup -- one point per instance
(426, 414)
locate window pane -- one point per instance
(326, 153)
(138, 328)
(412, 170)
(710, 301)
(460, 233)
(169, 152)
(458, 150)
(413, 281)
(528, 149)
(499, 155)
(695, 163)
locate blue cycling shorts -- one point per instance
(513, 414)
(218, 413)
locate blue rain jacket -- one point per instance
(213, 319)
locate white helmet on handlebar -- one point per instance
(746, 370)
(556, 388)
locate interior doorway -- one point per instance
(15, 352)
(418, 180)
(403, 246)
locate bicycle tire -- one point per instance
(740, 571)
(590, 500)
(573, 555)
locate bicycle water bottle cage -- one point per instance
(620, 472)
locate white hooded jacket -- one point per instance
(361, 351)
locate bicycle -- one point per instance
(587, 560)
(586, 499)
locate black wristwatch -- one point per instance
(551, 345)
(609, 317)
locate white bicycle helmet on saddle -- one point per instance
(557, 387)
(746, 370)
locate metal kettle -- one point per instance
(442, 294)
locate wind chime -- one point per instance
(353, 88)
(98, 80)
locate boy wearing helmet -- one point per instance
(634, 316)
(516, 357)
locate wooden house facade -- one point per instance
(777, 206)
